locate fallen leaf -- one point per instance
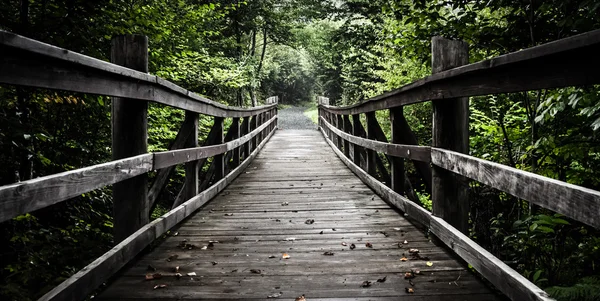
(344, 244)
(382, 279)
(255, 271)
(290, 239)
(191, 274)
(214, 262)
(384, 233)
(333, 229)
(328, 253)
(369, 245)
(177, 269)
(403, 258)
(301, 298)
(409, 275)
(411, 283)
(172, 257)
(405, 242)
(285, 204)
(429, 263)
(414, 251)
(321, 232)
(160, 286)
(277, 220)
(366, 283)
(416, 272)
(352, 246)
(228, 214)
(272, 256)
(309, 221)
(409, 290)
(397, 229)
(204, 248)
(178, 275)
(285, 256)
(276, 295)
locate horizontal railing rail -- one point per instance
(27, 62)
(564, 63)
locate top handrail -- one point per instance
(31, 63)
(557, 64)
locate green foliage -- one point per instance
(587, 289)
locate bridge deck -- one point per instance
(263, 214)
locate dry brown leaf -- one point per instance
(302, 298)
(369, 245)
(309, 221)
(255, 271)
(285, 256)
(404, 258)
(409, 275)
(413, 251)
(177, 269)
(429, 263)
(344, 244)
(160, 286)
(381, 280)
(328, 253)
(410, 290)
(405, 242)
(366, 283)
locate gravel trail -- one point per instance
(293, 118)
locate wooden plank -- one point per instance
(397, 164)
(449, 192)
(370, 158)
(235, 126)
(32, 63)
(129, 138)
(340, 126)
(192, 167)
(219, 160)
(579, 203)
(80, 285)
(419, 153)
(493, 269)
(562, 63)
(356, 132)
(27, 196)
(347, 130)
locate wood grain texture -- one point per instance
(504, 278)
(80, 285)
(420, 153)
(396, 163)
(27, 196)
(576, 202)
(562, 63)
(450, 130)
(129, 138)
(251, 227)
(192, 167)
(32, 63)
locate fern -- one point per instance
(587, 289)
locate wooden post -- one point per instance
(450, 131)
(371, 134)
(347, 129)
(219, 159)
(191, 168)
(253, 123)
(130, 138)
(246, 127)
(235, 127)
(340, 126)
(356, 131)
(396, 163)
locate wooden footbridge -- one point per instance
(281, 214)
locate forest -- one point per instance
(241, 52)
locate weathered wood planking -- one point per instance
(32, 63)
(27, 196)
(80, 285)
(503, 277)
(576, 202)
(413, 152)
(563, 63)
(252, 227)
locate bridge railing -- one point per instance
(30, 63)
(446, 165)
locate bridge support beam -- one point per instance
(191, 168)
(130, 138)
(450, 131)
